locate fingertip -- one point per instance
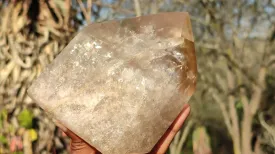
(179, 121)
(167, 138)
(186, 108)
(184, 114)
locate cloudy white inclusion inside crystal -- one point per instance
(134, 73)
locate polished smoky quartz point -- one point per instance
(120, 84)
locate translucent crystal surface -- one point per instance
(120, 84)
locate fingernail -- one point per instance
(186, 106)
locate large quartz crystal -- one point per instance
(120, 84)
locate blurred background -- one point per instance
(233, 108)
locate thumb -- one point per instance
(77, 145)
(166, 139)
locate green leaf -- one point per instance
(3, 139)
(1, 122)
(4, 114)
(3, 117)
(18, 152)
(33, 134)
(239, 105)
(189, 143)
(25, 119)
(11, 129)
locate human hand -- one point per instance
(79, 146)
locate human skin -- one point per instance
(79, 146)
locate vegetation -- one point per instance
(234, 104)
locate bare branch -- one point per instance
(67, 14)
(224, 113)
(184, 136)
(246, 125)
(137, 8)
(233, 115)
(235, 125)
(114, 7)
(257, 95)
(82, 7)
(270, 130)
(89, 11)
(154, 7)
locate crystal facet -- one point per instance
(120, 84)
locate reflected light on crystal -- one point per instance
(120, 84)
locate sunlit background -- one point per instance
(234, 104)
